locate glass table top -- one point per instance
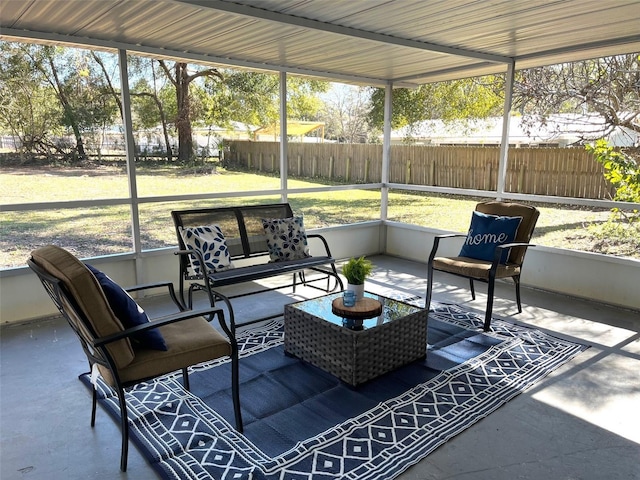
(391, 310)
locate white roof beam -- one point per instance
(9, 34)
(261, 14)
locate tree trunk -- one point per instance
(183, 122)
(68, 110)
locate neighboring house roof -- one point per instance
(560, 129)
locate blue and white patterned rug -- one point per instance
(301, 423)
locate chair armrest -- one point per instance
(159, 322)
(323, 240)
(515, 244)
(498, 253)
(450, 235)
(436, 243)
(203, 266)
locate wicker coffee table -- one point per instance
(355, 350)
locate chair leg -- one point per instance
(94, 402)
(124, 425)
(235, 387)
(516, 279)
(427, 301)
(185, 379)
(472, 288)
(489, 312)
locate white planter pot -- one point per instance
(359, 289)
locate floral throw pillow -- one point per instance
(286, 238)
(210, 242)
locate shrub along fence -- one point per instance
(563, 172)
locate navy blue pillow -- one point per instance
(128, 312)
(486, 232)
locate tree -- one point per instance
(464, 99)
(608, 87)
(246, 97)
(84, 102)
(28, 106)
(150, 98)
(345, 115)
(621, 169)
(181, 78)
(253, 98)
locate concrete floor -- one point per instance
(581, 422)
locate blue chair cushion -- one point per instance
(129, 312)
(486, 232)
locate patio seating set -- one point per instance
(124, 347)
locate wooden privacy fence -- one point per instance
(563, 172)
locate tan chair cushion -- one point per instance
(86, 291)
(189, 342)
(470, 267)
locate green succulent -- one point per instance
(356, 270)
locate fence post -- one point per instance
(249, 161)
(273, 162)
(366, 170)
(521, 178)
(260, 162)
(407, 178)
(487, 177)
(347, 174)
(331, 167)
(299, 166)
(314, 164)
(432, 172)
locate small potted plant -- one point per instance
(356, 271)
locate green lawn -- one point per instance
(106, 230)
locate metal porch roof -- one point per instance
(373, 42)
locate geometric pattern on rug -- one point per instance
(183, 438)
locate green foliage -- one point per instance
(454, 100)
(253, 98)
(356, 270)
(623, 172)
(620, 169)
(28, 106)
(65, 85)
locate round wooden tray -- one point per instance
(365, 308)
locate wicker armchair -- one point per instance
(489, 270)
(188, 337)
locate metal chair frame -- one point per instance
(97, 353)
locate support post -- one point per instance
(284, 160)
(504, 146)
(129, 146)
